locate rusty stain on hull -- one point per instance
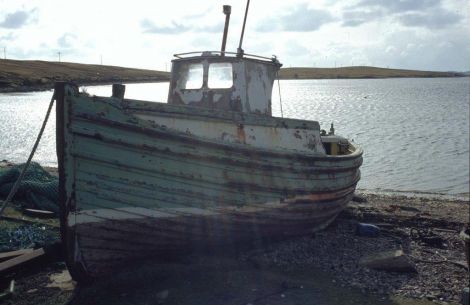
(141, 179)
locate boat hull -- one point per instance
(135, 184)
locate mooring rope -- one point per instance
(279, 88)
(15, 187)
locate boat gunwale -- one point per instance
(225, 116)
(242, 163)
(139, 106)
(274, 152)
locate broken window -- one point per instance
(192, 77)
(220, 75)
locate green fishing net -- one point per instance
(38, 189)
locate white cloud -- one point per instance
(145, 33)
(299, 18)
(17, 19)
(391, 49)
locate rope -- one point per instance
(279, 88)
(17, 183)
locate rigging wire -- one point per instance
(279, 88)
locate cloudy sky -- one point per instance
(410, 34)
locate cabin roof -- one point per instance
(226, 56)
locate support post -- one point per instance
(119, 90)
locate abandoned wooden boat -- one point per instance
(211, 169)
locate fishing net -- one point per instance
(27, 236)
(37, 190)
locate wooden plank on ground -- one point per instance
(39, 213)
(19, 260)
(11, 254)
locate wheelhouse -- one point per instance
(223, 81)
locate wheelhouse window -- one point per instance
(220, 75)
(192, 77)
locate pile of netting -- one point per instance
(37, 190)
(27, 236)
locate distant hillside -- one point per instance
(357, 72)
(27, 75)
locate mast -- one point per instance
(227, 10)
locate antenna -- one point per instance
(240, 50)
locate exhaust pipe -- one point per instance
(227, 11)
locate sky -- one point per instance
(406, 34)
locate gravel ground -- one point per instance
(406, 223)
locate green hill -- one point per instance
(27, 75)
(31, 75)
(357, 72)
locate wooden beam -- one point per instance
(11, 254)
(21, 259)
(39, 213)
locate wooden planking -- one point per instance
(138, 238)
(163, 191)
(174, 144)
(112, 115)
(262, 214)
(111, 247)
(178, 111)
(189, 168)
(117, 169)
(116, 254)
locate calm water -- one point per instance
(415, 132)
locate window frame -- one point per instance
(187, 76)
(209, 74)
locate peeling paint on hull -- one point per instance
(141, 179)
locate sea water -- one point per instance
(414, 131)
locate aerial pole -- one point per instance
(240, 50)
(227, 11)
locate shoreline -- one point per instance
(416, 194)
(49, 87)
